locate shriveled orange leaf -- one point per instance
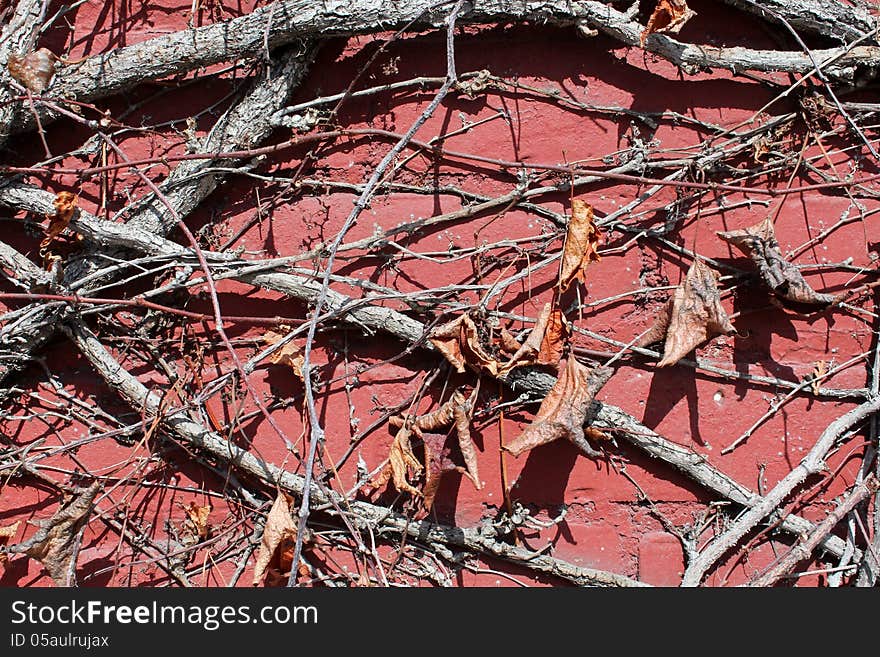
(545, 343)
(56, 543)
(506, 342)
(402, 462)
(595, 434)
(7, 533)
(820, 370)
(459, 342)
(564, 410)
(198, 518)
(691, 317)
(289, 354)
(669, 17)
(65, 206)
(581, 242)
(34, 70)
(278, 572)
(462, 422)
(790, 289)
(280, 530)
(555, 338)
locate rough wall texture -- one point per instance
(561, 98)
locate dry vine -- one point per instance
(121, 246)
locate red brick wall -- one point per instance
(606, 523)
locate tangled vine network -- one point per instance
(387, 293)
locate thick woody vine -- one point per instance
(282, 535)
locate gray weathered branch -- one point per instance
(532, 382)
(243, 126)
(285, 21)
(804, 549)
(480, 540)
(829, 18)
(18, 37)
(812, 463)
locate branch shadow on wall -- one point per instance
(544, 477)
(668, 386)
(755, 330)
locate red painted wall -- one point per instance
(606, 525)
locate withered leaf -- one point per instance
(280, 530)
(7, 533)
(669, 17)
(459, 342)
(581, 241)
(402, 462)
(289, 354)
(65, 206)
(555, 338)
(545, 343)
(34, 70)
(820, 370)
(56, 543)
(197, 517)
(790, 289)
(564, 410)
(506, 342)
(692, 316)
(462, 422)
(456, 412)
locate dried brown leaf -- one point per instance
(657, 332)
(34, 70)
(564, 410)
(441, 417)
(289, 354)
(462, 420)
(555, 338)
(691, 317)
(820, 370)
(7, 533)
(459, 342)
(402, 461)
(581, 242)
(279, 531)
(506, 342)
(668, 18)
(65, 206)
(790, 289)
(197, 517)
(544, 344)
(56, 543)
